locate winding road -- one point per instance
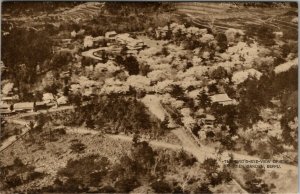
(200, 152)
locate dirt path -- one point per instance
(192, 147)
(201, 152)
(187, 143)
(152, 102)
(198, 152)
(154, 143)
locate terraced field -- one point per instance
(84, 11)
(224, 15)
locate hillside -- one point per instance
(158, 97)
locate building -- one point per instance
(5, 109)
(209, 120)
(221, 99)
(114, 50)
(123, 38)
(9, 99)
(40, 105)
(135, 44)
(110, 35)
(4, 106)
(206, 120)
(6, 112)
(63, 100)
(65, 76)
(129, 42)
(99, 41)
(73, 34)
(48, 97)
(88, 41)
(24, 107)
(132, 52)
(161, 32)
(98, 38)
(66, 41)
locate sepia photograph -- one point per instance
(149, 97)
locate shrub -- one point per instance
(126, 185)
(222, 42)
(177, 91)
(132, 65)
(77, 147)
(274, 175)
(203, 189)
(161, 187)
(290, 47)
(186, 159)
(164, 51)
(87, 171)
(107, 189)
(210, 165)
(13, 181)
(264, 34)
(257, 186)
(35, 175)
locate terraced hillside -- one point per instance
(203, 9)
(225, 15)
(84, 11)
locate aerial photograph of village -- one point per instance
(149, 97)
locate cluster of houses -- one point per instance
(113, 45)
(10, 106)
(222, 99)
(131, 43)
(207, 121)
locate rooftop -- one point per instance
(24, 105)
(220, 98)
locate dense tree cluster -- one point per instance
(253, 94)
(117, 114)
(26, 55)
(24, 50)
(130, 63)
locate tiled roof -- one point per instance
(220, 98)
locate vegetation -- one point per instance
(117, 114)
(25, 50)
(131, 65)
(17, 174)
(94, 171)
(264, 34)
(77, 147)
(30, 8)
(181, 65)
